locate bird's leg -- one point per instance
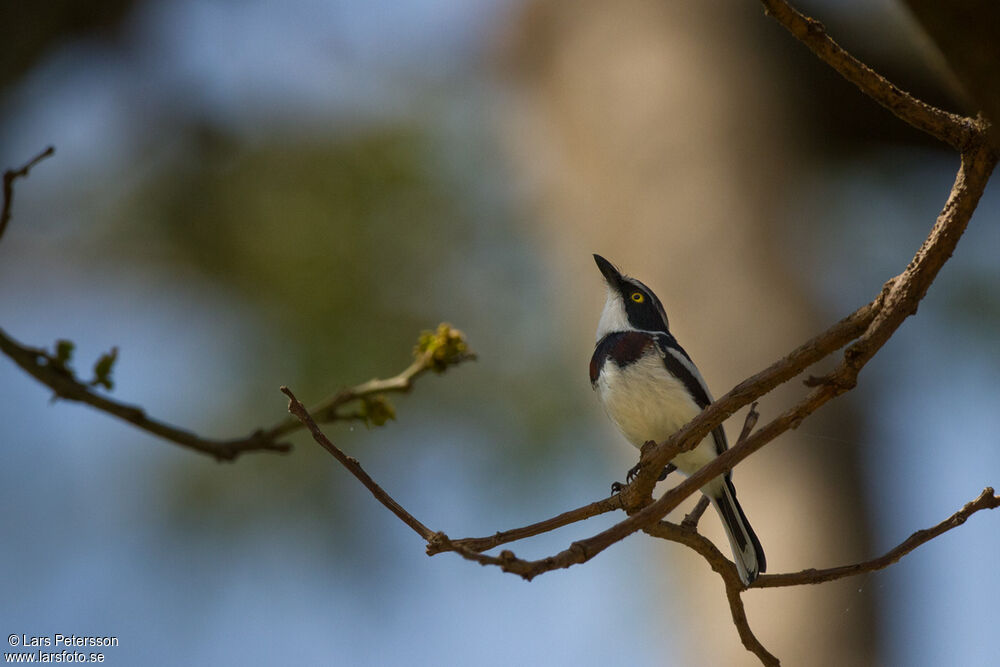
(667, 469)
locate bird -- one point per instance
(650, 388)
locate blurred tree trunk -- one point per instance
(649, 133)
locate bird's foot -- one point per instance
(617, 487)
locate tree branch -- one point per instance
(435, 351)
(299, 411)
(955, 130)
(440, 349)
(46, 369)
(690, 521)
(781, 371)
(986, 500)
(681, 534)
(9, 177)
(869, 328)
(478, 544)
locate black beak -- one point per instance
(610, 273)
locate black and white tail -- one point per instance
(747, 552)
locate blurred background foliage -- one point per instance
(252, 194)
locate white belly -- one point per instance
(647, 403)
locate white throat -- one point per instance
(613, 317)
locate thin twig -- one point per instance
(43, 367)
(986, 500)
(692, 518)
(49, 371)
(328, 410)
(734, 595)
(478, 544)
(730, 578)
(8, 185)
(299, 411)
(748, 424)
(40, 365)
(953, 129)
(690, 521)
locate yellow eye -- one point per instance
(637, 297)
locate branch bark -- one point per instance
(40, 365)
(447, 346)
(954, 129)
(9, 176)
(986, 500)
(435, 351)
(299, 411)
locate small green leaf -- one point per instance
(64, 353)
(102, 369)
(376, 410)
(442, 348)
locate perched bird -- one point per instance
(650, 388)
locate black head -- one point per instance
(635, 306)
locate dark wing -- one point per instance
(679, 365)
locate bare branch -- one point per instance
(448, 347)
(435, 351)
(730, 578)
(300, 412)
(986, 500)
(692, 518)
(43, 367)
(724, 567)
(750, 642)
(955, 130)
(690, 521)
(8, 185)
(478, 544)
